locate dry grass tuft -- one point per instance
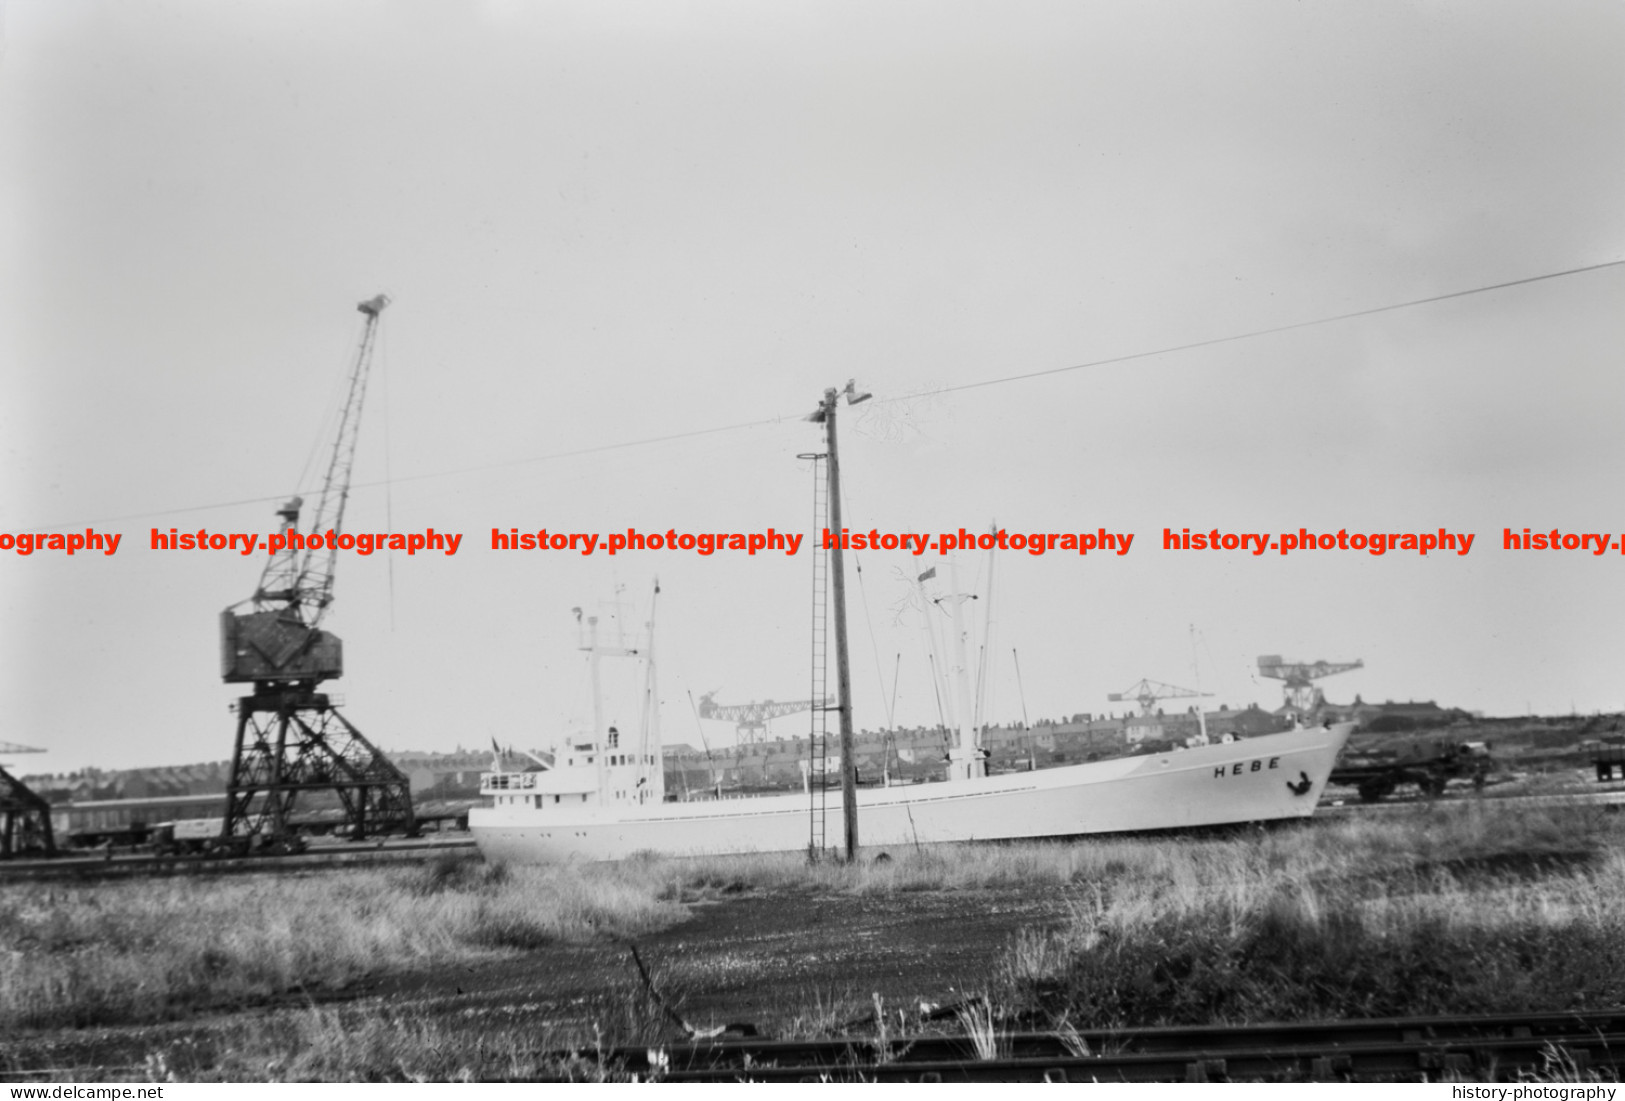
(139, 951)
(1471, 908)
(320, 1045)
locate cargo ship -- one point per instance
(562, 814)
(602, 796)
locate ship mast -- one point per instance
(965, 757)
(651, 760)
(843, 671)
(962, 718)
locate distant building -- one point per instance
(1390, 716)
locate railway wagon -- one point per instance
(1430, 767)
(128, 822)
(1608, 756)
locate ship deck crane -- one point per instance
(290, 737)
(1301, 694)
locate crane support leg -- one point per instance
(291, 739)
(25, 820)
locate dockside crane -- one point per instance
(751, 719)
(290, 737)
(1301, 694)
(13, 747)
(1147, 692)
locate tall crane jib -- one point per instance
(290, 738)
(751, 719)
(1299, 689)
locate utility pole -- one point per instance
(837, 573)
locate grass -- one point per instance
(1298, 952)
(1470, 909)
(326, 1045)
(1463, 907)
(1454, 837)
(142, 951)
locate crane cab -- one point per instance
(259, 646)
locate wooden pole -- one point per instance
(843, 671)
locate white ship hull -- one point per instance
(1267, 778)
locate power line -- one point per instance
(553, 456)
(718, 430)
(1258, 332)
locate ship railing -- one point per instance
(508, 781)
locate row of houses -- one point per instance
(918, 753)
(94, 784)
(458, 769)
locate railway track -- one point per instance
(1567, 1045)
(1341, 804)
(146, 864)
(1544, 1047)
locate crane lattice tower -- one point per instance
(290, 737)
(25, 818)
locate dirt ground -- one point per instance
(750, 958)
(762, 959)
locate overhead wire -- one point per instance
(855, 510)
(1212, 341)
(935, 391)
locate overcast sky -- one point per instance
(608, 222)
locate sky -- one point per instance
(629, 246)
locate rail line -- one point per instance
(1610, 799)
(1418, 1048)
(351, 855)
(1586, 1046)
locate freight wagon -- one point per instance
(1609, 756)
(1429, 767)
(126, 823)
